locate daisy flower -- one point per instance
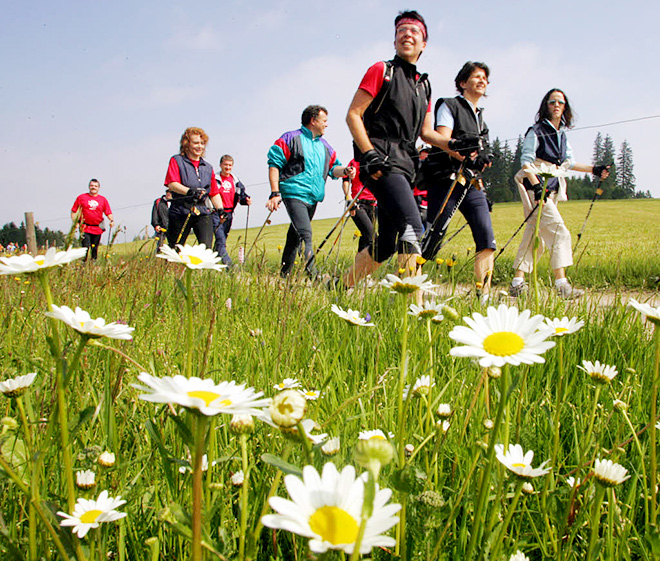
(564, 326)
(85, 479)
(374, 434)
(599, 373)
(428, 310)
(237, 478)
(327, 509)
(518, 556)
(444, 410)
(331, 446)
(310, 395)
(572, 482)
(351, 316)
(308, 426)
(652, 314)
(15, 387)
(204, 396)
(287, 384)
(288, 408)
(503, 336)
(422, 386)
(407, 285)
(608, 473)
(192, 256)
(106, 459)
(89, 513)
(519, 462)
(83, 323)
(28, 264)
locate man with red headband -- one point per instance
(389, 112)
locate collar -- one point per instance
(408, 67)
(477, 110)
(549, 122)
(308, 133)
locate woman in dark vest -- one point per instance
(195, 193)
(546, 144)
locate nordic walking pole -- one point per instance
(345, 213)
(516, 232)
(259, 233)
(185, 223)
(597, 193)
(247, 221)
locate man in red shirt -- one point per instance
(88, 210)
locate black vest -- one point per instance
(182, 204)
(552, 148)
(439, 163)
(394, 118)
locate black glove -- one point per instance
(195, 194)
(221, 214)
(490, 204)
(538, 193)
(465, 145)
(598, 170)
(480, 163)
(372, 162)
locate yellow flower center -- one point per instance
(90, 516)
(518, 465)
(209, 397)
(376, 437)
(334, 525)
(39, 260)
(503, 343)
(194, 260)
(560, 330)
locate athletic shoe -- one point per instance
(567, 292)
(518, 290)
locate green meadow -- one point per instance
(459, 497)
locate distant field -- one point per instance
(620, 245)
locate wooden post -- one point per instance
(30, 234)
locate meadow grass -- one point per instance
(276, 329)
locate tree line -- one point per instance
(10, 233)
(621, 183)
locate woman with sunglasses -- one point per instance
(546, 144)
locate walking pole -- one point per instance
(247, 221)
(516, 232)
(597, 193)
(259, 233)
(345, 213)
(185, 223)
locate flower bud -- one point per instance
(237, 478)
(450, 312)
(331, 447)
(9, 423)
(494, 372)
(288, 408)
(85, 479)
(106, 459)
(374, 451)
(242, 423)
(443, 411)
(527, 488)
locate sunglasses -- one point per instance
(556, 101)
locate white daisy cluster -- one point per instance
(327, 509)
(83, 323)
(192, 256)
(26, 263)
(351, 316)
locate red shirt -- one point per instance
(174, 175)
(93, 209)
(227, 189)
(372, 81)
(356, 184)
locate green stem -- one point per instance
(590, 430)
(200, 437)
(479, 513)
(75, 361)
(653, 468)
(507, 520)
(367, 510)
(644, 478)
(400, 548)
(189, 330)
(595, 521)
(32, 522)
(97, 343)
(535, 280)
(307, 445)
(64, 438)
(244, 497)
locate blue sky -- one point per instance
(105, 89)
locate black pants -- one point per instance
(365, 216)
(92, 243)
(398, 217)
(301, 215)
(178, 229)
(474, 208)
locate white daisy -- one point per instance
(28, 264)
(422, 386)
(444, 410)
(310, 425)
(518, 556)
(237, 478)
(287, 384)
(106, 459)
(572, 482)
(288, 408)
(652, 314)
(564, 326)
(327, 508)
(608, 473)
(192, 256)
(310, 395)
(15, 387)
(351, 316)
(82, 322)
(519, 462)
(406, 285)
(85, 479)
(331, 446)
(205, 396)
(428, 310)
(374, 434)
(88, 514)
(503, 336)
(599, 373)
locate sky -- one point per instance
(105, 89)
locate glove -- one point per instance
(372, 162)
(598, 170)
(490, 204)
(464, 145)
(480, 163)
(538, 193)
(347, 203)
(195, 194)
(221, 214)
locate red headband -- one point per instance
(412, 21)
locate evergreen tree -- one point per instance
(608, 157)
(597, 156)
(625, 176)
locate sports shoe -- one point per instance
(518, 290)
(568, 292)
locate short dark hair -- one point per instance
(468, 68)
(93, 180)
(226, 158)
(544, 112)
(312, 112)
(412, 14)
